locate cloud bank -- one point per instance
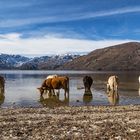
(14, 44)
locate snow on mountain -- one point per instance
(48, 62)
(11, 61)
(44, 62)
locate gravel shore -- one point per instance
(71, 123)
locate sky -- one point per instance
(58, 26)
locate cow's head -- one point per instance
(41, 90)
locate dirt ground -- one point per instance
(71, 123)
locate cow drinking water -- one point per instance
(112, 84)
(87, 80)
(59, 82)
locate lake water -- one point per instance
(21, 89)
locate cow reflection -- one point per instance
(87, 97)
(53, 100)
(113, 97)
(2, 84)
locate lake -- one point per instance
(21, 89)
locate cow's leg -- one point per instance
(53, 91)
(65, 91)
(108, 88)
(86, 88)
(58, 92)
(116, 88)
(68, 91)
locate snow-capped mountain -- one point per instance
(36, 63)
(47, 62)
(12, 61)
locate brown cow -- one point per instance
(55, 83)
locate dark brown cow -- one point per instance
(55, 83)
(87, 80)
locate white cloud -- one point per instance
(10, 36)
(13, 44)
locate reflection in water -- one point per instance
(53, 100)
(113, 97)
(139, 90)
(21, 87)
(87, 97)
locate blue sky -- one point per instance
(58, 26)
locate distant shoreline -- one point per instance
(69, 70)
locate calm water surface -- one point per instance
(21, 89)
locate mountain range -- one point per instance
(122, 57)
(37, 63)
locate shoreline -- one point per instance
(73, 122)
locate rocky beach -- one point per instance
(71, 123)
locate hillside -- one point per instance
(119, 57)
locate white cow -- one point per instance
(51, 76)
(112, 84)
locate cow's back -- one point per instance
(64, 81)
(51, 76)
(60, 82)
(113, 80)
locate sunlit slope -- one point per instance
(119, 57)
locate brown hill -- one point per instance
(119, 57)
